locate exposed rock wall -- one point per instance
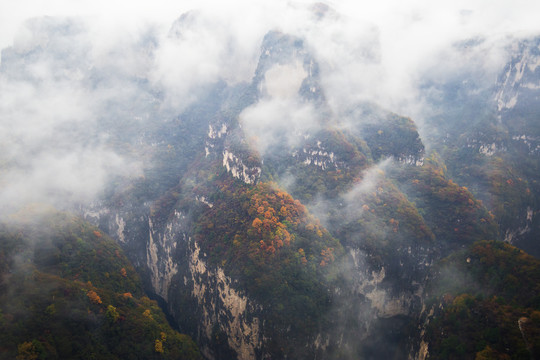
(520, 76)
(317, 157)
(177, 271)
(221, 305)
(160, 251)
(237, 168)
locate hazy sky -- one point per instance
(373, 50)
(404, 35)
(422, 21)
(438, 16)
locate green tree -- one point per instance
(29, 350)
(159, 346)
(112, 314)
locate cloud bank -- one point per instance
(79, 68)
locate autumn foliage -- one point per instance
(264, 223)
(490, 304)
(76, 304)
(270, 243)
(94, 297)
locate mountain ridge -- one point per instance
(270, 225)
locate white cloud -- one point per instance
(278, 122)
(284, 81)
(51, 101)
(52, 148)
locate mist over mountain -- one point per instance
(288, 180)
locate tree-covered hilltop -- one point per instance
(67, 291)
(487, 304)
(506, 181)
(451, 211)
(267, 239)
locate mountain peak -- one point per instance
(284, 57)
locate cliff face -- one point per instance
(175, 270)
(222, 304)
(211, 306)
(178, 271)
(518, 85)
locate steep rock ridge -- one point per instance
(369, 283)
(518, 106)
(128, 225)
(512, 234)
(160, 250)
(202, 199)
(419, 347)
(337, 157)
(518, 96)
(121, 228)
(174, 267)
(213, 136)
(331, 144)
(279, 49)
(239, 170)
(384, 291)
(484, 148)
(380, 310)
(176, 270)
(519, 84)
(489, 141)
(222, 307)
(317, 156)
(222, 144)
(217, 142)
